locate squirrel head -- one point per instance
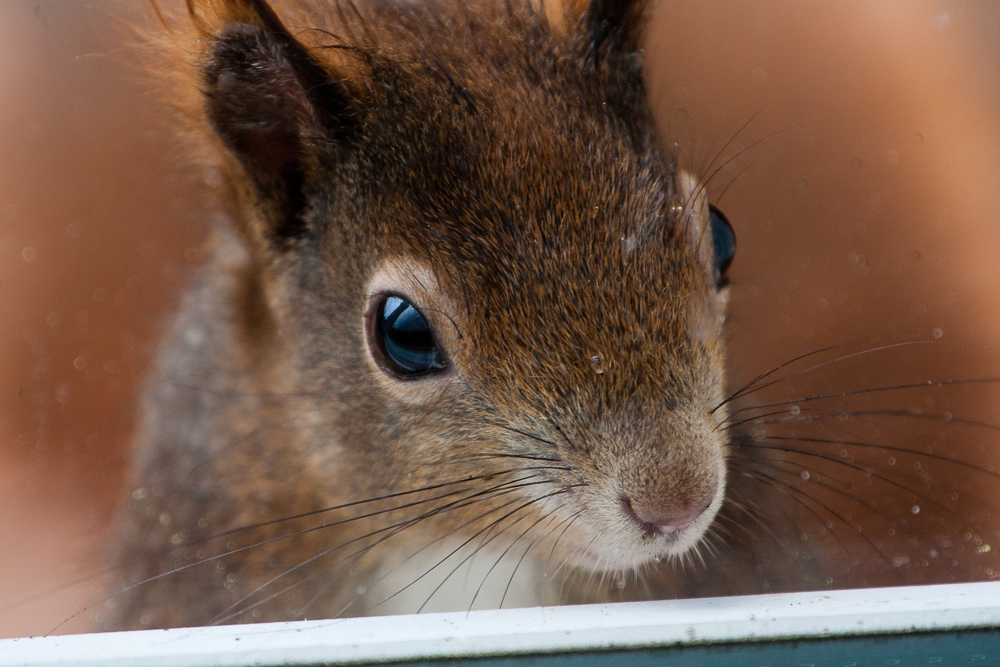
(466, 235)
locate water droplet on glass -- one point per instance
(620, 581)
(795, 410)
(597, 364)
(29, 254)
(937, 333)
(946, 416)
(805, 475)
(915, 509)
(891, 461)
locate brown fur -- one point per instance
(499, 167)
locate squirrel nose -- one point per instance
(663, 520)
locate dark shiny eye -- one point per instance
(724, 242)
(403, 339)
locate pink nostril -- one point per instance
(662, 520)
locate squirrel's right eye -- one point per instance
(403, 340)
(723, 242)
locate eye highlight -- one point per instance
(723, 242)
(402, 340)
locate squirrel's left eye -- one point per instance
(724, 243)
(402, 339)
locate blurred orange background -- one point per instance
(865, 205)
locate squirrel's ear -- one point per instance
(269, 101)
(613, 26)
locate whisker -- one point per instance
(276, 539)
(751, 387)
(505, 455)
(394, 530)
(524, 433)
(888, 448)
(847, 464)
(572, 518)
(841, 518)
(729, 142)
(759, 519)
(733, 180)
(728, 423)
(869, 505)
(506, 516)
(538, 539)
(704, 182)
(346, 561)
(355, 503)
(233, 551)
(721, 517)
(873, 390)
(562, 434)
(786, 489)
(432, 543)
(501, 557)
(834, 413)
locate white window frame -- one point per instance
(942, 624)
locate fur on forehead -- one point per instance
(470, 111)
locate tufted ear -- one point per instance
(273, 105)
(613, 26)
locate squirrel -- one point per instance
(467, 313)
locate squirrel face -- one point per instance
(482, 264)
